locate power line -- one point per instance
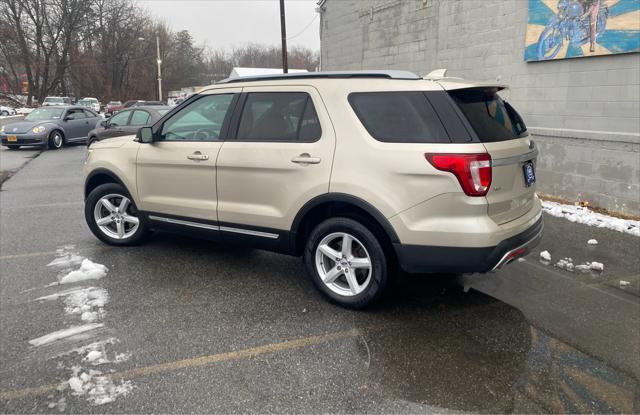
(305, 28)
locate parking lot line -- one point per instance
(34, 254)
(43, 205)
(197, 361)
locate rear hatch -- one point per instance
(500, 129)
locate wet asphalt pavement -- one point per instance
(200, 327)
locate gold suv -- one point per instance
(361, 173)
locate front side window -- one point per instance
(399, 117)
(120, 119)
(491, 118)
(279, 116)
(140, 117)
(201, 120)
(75, 114)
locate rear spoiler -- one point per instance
(448, 82)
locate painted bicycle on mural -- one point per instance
(578, 22)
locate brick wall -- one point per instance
(595, 99)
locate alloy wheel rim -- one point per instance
(57, 140)
(114, 217)
(344, 264)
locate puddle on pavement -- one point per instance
(486, 357)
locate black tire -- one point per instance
(56, 140)
(90, 205)
(91, 140)
(4, 113)
(13, 147)
(379, 276)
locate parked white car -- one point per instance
(95, 104)
(5, 111)
(52, 101)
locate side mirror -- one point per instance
(67, 118)
(104, 123)
(145, 135)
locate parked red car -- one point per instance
(112, 107)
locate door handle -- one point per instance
(305, 158)
(197, 156)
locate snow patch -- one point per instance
(89, 270)
(592, 242)
(545, 255)
(87, 301)
(64, 333)
(597, 266)
(624, 283)
(581, 214)
(566, 264)
(66, 260)
(590, 266)
(96, 387)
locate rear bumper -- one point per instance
(426, 259)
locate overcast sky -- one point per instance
(227, 23)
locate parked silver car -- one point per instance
(5, 111)
(50, 126)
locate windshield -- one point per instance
(115, 103)
(492, 118)
(43, 114)
(54, 100)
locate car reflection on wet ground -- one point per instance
(192, 326)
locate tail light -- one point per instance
(472, 170)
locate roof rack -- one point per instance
(392, 74)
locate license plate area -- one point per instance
(12, 138)
(529, 173)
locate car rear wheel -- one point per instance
(113, 217)
(56, 140)
(346, 263)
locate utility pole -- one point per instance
(283, 31)
(159, 68)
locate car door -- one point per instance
(176, 174)
(281, 158)
(74, 122)
(90, 122)
(116, 125)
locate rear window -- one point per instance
(492, 118)
(398, 117)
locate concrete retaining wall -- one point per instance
(585, 112)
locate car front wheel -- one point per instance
(113, 217)
(56, 140)
(346, 263)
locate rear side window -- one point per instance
(492, 118)
(398, 117)
(139, 117)
(279, 116)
